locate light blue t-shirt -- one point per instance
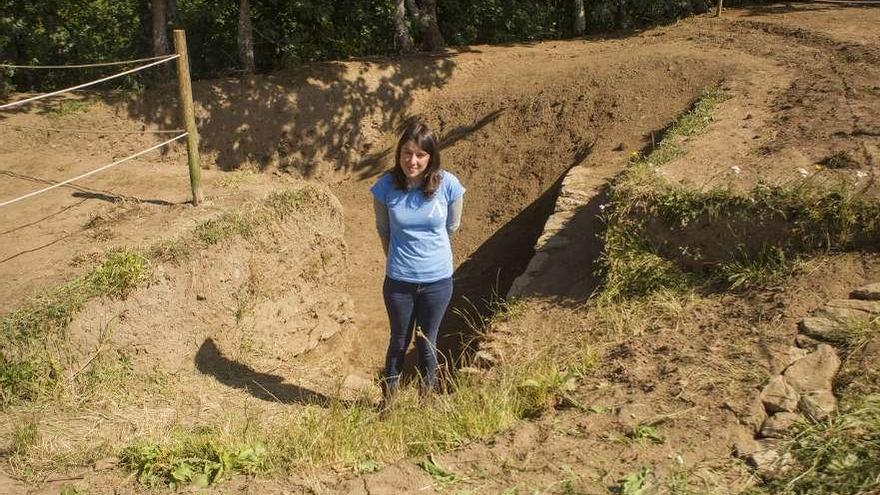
(418, 250)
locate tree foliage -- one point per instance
(287, 32)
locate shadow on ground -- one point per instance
(210, 361)
(327, 113)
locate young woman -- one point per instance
(418, 206)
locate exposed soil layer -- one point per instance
(514, 121)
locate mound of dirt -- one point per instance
(259, 299)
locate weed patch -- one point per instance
(69, 107)
(193, 458)
(839, 455)
(28, 367)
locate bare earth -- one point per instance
(804, 81)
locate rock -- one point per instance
(816, 371)
(818, 405)
(767, 460)
(745, 445)
(870, 292)
(845, 310)
(819, 327)
(777, 425)
(779, 396)
(805, 342)
(781, 360)
(855, 305)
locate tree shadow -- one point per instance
(210, 361)
(330, 114)
(757, 10)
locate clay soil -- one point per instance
(803, 81)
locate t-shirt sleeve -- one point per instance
(454, 189)
(380, 189)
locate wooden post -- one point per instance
(718, 11)
(188, 115)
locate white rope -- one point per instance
(85, 85)
(78, 177)
(91, 131)
(81, 66)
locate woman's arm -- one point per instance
(382, 226)
(453, 215)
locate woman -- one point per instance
(418, 206)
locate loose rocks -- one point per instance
(814, 372)
(779, 396)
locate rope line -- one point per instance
(81, 66)
(92, 172)
(85, 85)
(92, 131)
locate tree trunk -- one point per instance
(161, 46)
(580, 17)
(433, 37)
(718, 8)
(245, 37)
(401, 28)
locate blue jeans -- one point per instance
(411, 306)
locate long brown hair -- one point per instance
(419, 133)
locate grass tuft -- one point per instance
(836, 456)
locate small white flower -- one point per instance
(860, 174)
(736, 169)
(603, 206)
(803, 172)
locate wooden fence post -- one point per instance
(188, 115)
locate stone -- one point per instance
(777, 425)
(807, 343)
(846, 310)
(779, 396)
(745, 444)
(767, 460)
(818, 405)
(870, 306)
(814, 372)
(819, 327)
(870, 292)
(781, 360)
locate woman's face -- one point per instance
(413, 160)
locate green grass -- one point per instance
(647, 244)
(69, 107)
(33, 348)
(355, 435)
(29, 368)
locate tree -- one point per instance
(245, 37)
(161, 46)
(424, 12)
(401, 27)
(580, 17)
